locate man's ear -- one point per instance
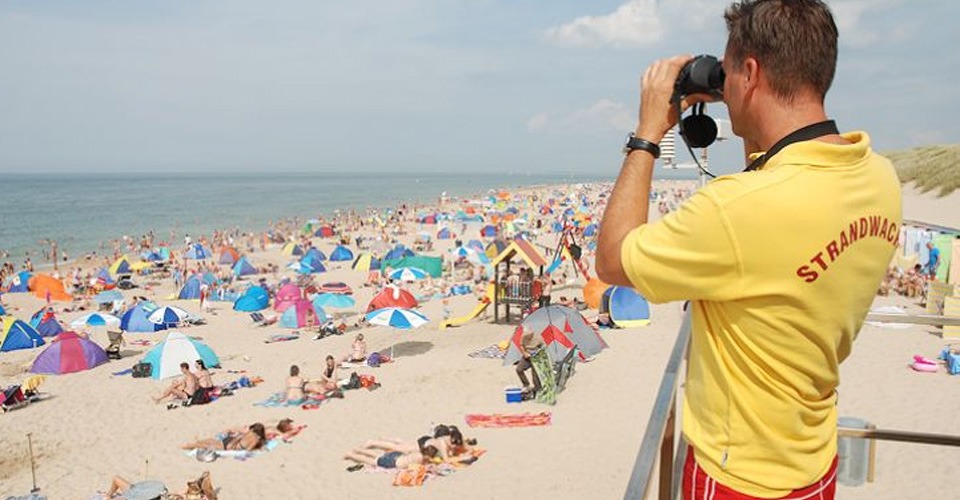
(751, 74)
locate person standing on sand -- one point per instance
(781, 263)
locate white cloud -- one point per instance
(602, 116)
(849, 15)
(634, 24)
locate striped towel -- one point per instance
(501, 420)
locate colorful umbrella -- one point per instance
(168, 316)
(95, 319)
(407, 274)
(396, 318)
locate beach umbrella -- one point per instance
(407, 274)
(69, 353)
(335, 300)
(108, 297)
(95, 319)
(396, 318)
(167, 316)
(165, 357)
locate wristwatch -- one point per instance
(634, 143)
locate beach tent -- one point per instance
(135, 318)
(476, 245)
(105, 280)
(626, 307)
(228, 255)
(392, 296)
(191, 288)
(300, 314)
(45, 322)
(398, 252)
(340, 254)
(243, 268)
(590, 230)
(561, 328)
(432, 265)
(47, 287)
(310, 264)
(286, 296)
(120, 266)
(366, 262)
(324, 232)
(2, 310)
(315, 252)
(16, 334)
(488, 231)
(197, 252)
(428, 219)
(152, 256)
(69, 353)
(255, 298)
(291, 249)
(444, 234)
(165, 357)
(20, 282)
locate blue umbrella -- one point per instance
(407, 274)
(397, 318)
(168, 316)
(335, 300)
(108, 296)
(95, 319)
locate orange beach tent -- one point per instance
(43, 285)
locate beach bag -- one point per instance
(367, 380)
(142, 370)
(374, 360)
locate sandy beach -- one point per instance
(94, 425)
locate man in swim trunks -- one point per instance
(391, 459)
(181, 388)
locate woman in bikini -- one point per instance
(359, 354)
(253, 439)
(327, 381)
(295, 386)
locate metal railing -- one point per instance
(660, 441)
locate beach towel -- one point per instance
(497, 420)
(492, 352)
(281, 337)
(240, 454)
(279, 400)
(416, 476)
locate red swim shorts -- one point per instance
(697, 485)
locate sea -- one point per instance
(83, 211)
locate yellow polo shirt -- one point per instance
(782, 265)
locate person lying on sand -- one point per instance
(199, 489)
(181, 388)
(253, 439)
(285, 430)
(390, 459)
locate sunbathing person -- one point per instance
(181, 388)
(391, 459)
(284, 430)
(295, 386)
(359, 353)
(253, 439)
(327, 381)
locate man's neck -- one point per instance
(779, 120)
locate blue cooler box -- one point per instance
(513, 394)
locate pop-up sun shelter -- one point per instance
(254, 299)
(561, 328)
(16, 334)
(19, 283)
(69, 353)
(178, 348)
(191, 288)
(135, 319)
(340, 254)
(300, 314)
(286, 296)
(243, 268)
(626, 307)
(47, 287)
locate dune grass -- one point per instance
(929, 167)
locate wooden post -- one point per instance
(872, 457)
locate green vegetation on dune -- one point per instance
(929, 167)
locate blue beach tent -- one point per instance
(135, 319)
(243, 268)
(626, 307)
(398, 252)
(315, 253)
(313, 264)
(19, 283)
(17, 334)
(252, 300)
(198, 252)
(191, 288)
(340, 254)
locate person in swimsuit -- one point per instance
(359, 353)
(253, 439)
(391, 459)
(295, 386)
(182, 388)
(327, 381)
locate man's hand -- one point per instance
(657, 113)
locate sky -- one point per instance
(514, 86)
